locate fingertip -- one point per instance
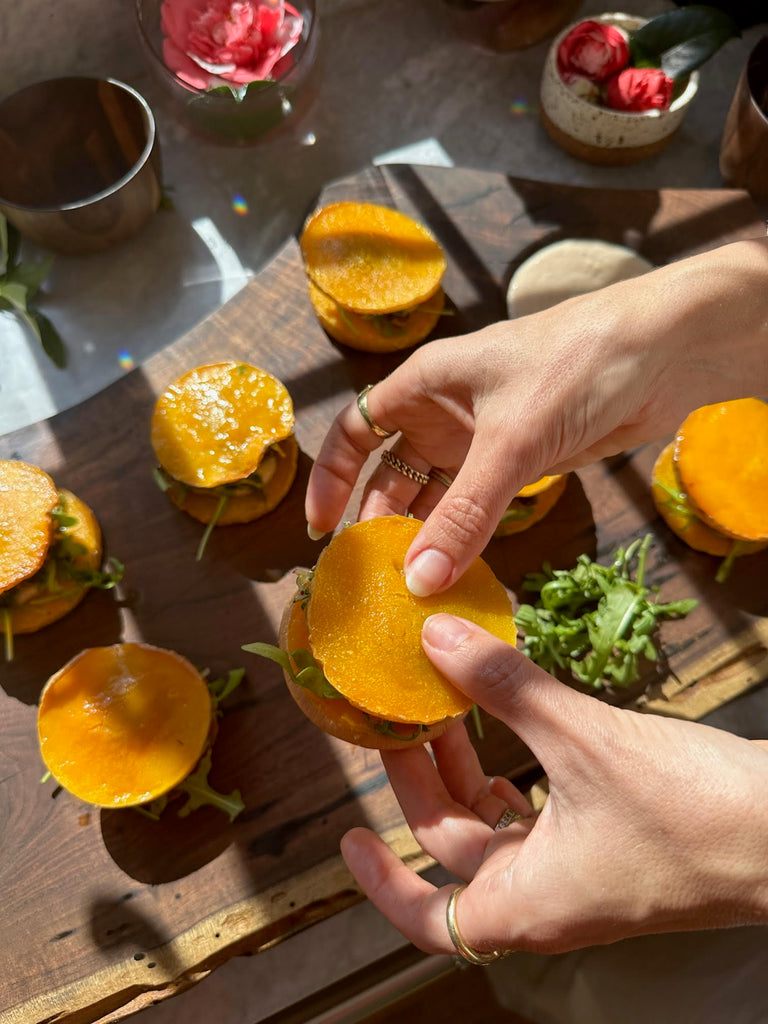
(429, 571)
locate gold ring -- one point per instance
(465, 951)
(362, 405)
(507, 818)
(441, 477)
(389, 458)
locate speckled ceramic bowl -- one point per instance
(599, 135)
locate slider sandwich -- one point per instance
(223, 437)
(50, 551)
(350, 639)
(374, 275)
(710, 485)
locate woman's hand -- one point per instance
(551, 392)
(651, 824)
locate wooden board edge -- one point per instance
(258, 923)
(731, 670)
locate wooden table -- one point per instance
(104, 911)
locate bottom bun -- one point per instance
(337, 716)
(531, 504)
(241, 508)
(384, 333)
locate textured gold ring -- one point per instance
(389, 458)
(441, 477)
(362, 405)
(507, 818)
(465, 951)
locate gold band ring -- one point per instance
(362, 405)
(507, 818)
(441, 477)
(389, 458)
(465, 951)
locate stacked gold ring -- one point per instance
(389, 458)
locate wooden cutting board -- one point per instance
(104, 911)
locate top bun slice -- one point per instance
(721, 461)
(371, 259)
(28, 497)
(121, 725)
(365, 625)
(215, 427)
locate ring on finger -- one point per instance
(389, 458)
(464, 950)
(508, 816)
(362, 405)
(441, 477)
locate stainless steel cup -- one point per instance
(744, 146)
(79, 163)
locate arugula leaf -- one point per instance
(595, 621)
(309, 674)
(199, 793)
(220, 689)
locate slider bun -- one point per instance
(119, 726)
(28, 617)
(539, 498)
(215, 423)
(370, 258)
(335, 715)
(376, 335)
(246, 507)
(28, 496)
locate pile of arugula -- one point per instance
(595, 621)
(19, 284)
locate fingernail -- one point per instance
(314, 534)
(428, 571)
(444, 632)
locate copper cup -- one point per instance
(744, 147)
(79, 163)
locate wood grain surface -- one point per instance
(103, 911)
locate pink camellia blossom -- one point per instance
(592, 50)
(209, 43)
(637, 89)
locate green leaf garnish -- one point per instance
(223, 499)
(682, 40)
(595, 621)
(220, 689)
(309, 674)
(199, 794)
(19, 284)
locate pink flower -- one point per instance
(592, 50)
(218, 42)
(637, 89)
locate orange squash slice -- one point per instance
(28, 496)
(370, 258)
(385, 332)
(531, 504)
(365, 625)
(214, 424)
(721, 461)
(121, 725)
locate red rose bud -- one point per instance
(592, 50)
(638, 89)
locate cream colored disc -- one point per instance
(568, 268)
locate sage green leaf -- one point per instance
(14, 293)
(682, 40)
(31, 275)
(50, 339)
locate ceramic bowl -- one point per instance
(597, 134)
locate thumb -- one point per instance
(548, 716)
